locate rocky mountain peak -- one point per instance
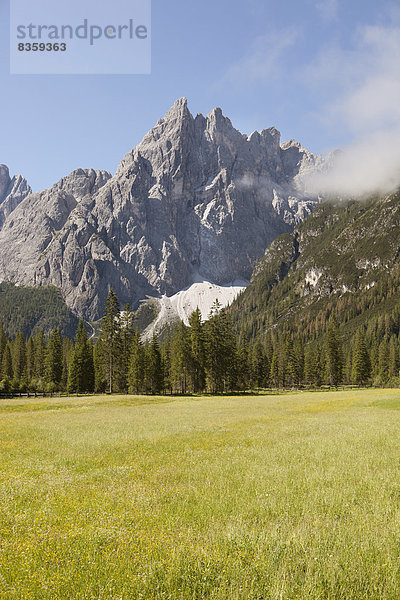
(217, 117)
(5, 181)
(297, 160)
(179, 108)
(12, 192)
(194, 199)
(175, 116)
(82, 182)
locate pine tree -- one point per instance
(348, 366)
(19, 356)
(7, 365)
(126, 338)
(374, 354)
(220, 351)
(274, 370)
(3, 342)
(312, 367)
(291, 363)
(68, 349)
(181, 359)
(100, 381)
(40, 354)
(111, 339)
(281, 356)
(383, 372)
(30, 358)
(393, 358)
(153, 368)
(243, 370)
(136, 374)
(361, 366)
(259, 366)
(298, 350)
(198, 374)
(165, 350)
(333, 356)
(81, 371)
(53, 364)
(89, 375)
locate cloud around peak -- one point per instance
(364, 84)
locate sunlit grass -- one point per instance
(291, 496)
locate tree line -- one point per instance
(195, 358)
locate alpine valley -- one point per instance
(193, 213)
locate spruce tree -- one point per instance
(312, 366)
(198, 374)
(220, 350)
(259, 366)
(291, 364)
(333, 355)
(153, 367)
(136, 374)
(268, 349)
(100, 381)
(243, 369)
(165, 350)
(281, 356)
(7, 364)
(383, 372)
(89, 375)
(393, 358)
(3, 342)
(126, 338)
(181, 359)
(53, 364)
(348, 366)
(374, 354)
(361, 365)
(298, 350)
(30, 358)
(68, 348)
(274, 370)
(40, 354)
(19, 355)
(81, 371)
(111, 339)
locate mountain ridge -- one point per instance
(181, 202)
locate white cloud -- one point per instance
(370, 164)
(262, 63)
(364, 85)
(328, 9)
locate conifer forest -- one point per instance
(201, 357)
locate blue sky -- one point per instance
(311, 68)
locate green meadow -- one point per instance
(292, 496)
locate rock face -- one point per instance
(194, 198)
(12, 192)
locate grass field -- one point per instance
(275, 497)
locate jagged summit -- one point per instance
(12, 192)
(5, 180)
(178, 110)
(195, 196)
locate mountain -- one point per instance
(195, 200)
(343, 261)
(12, 192)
